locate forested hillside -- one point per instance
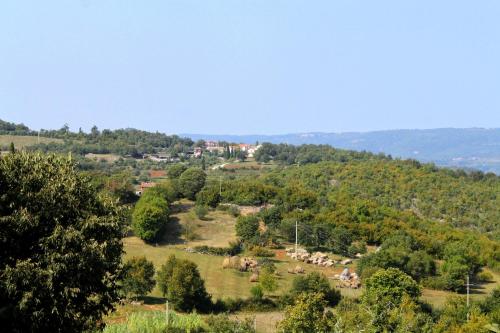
(127, 141)
(473, 148)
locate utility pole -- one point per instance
(296, 237)
(220, 186)
(468, 284)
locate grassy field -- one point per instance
(217, 230)
(21, 141)
(103, 157)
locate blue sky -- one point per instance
(241, 67)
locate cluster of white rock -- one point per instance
(348, 279)
(317, 258)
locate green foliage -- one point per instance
(176, 170)
(315, 282)
(138, 277)
(257, 292)
(271, 216)
(267, 280)
(484, 276)
(165, 274)
(208, 196)
(491, 306)
(234, 211)
(155, 322)
(418, 264)
(259, 251)
(166, 190)
(307, 315)
(12, 128)
(233, 249)
(355, 248)
(191, 182)
(124, 142)
(120, 186)
(340, 241)
(385, 291)
(388, 286)
(186, 289)
(453, 317)
(454, 271)
(201, 211)
(247, 227)
(150, 216)
(60, 246)
(223, 324)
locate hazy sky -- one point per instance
(255, 66)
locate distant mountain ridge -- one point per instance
(475, 148)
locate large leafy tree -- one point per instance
(191, 182)
(247, 227)
(60, 246)
(385, 291)
(184, 286)
(150, 216)
(307, 315)
(315, 282)
(138, 276)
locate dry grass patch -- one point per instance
(21, 141)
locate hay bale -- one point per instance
(346, 262)
(234, 261)
(226, 263)
(291, 271)
(254, 277)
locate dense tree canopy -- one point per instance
(191, 182)
(183, 286)
(60, 246)
(150, 216)
(138, 277)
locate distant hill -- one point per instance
(475, 148)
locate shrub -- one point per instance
(484, 276)
(191, 182)
(201, 212)
(138, 276)
(150, 217)
(233, 249)
(223, 324)
(208, 196)
(154, 322)
(176, 170)
(247, 227)
(355, 248)
(186, 289)
(389, 286)
(257, 292)
(234, 211)
(165, 273)
(307, 315)
(259, 251)
(315, 283)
